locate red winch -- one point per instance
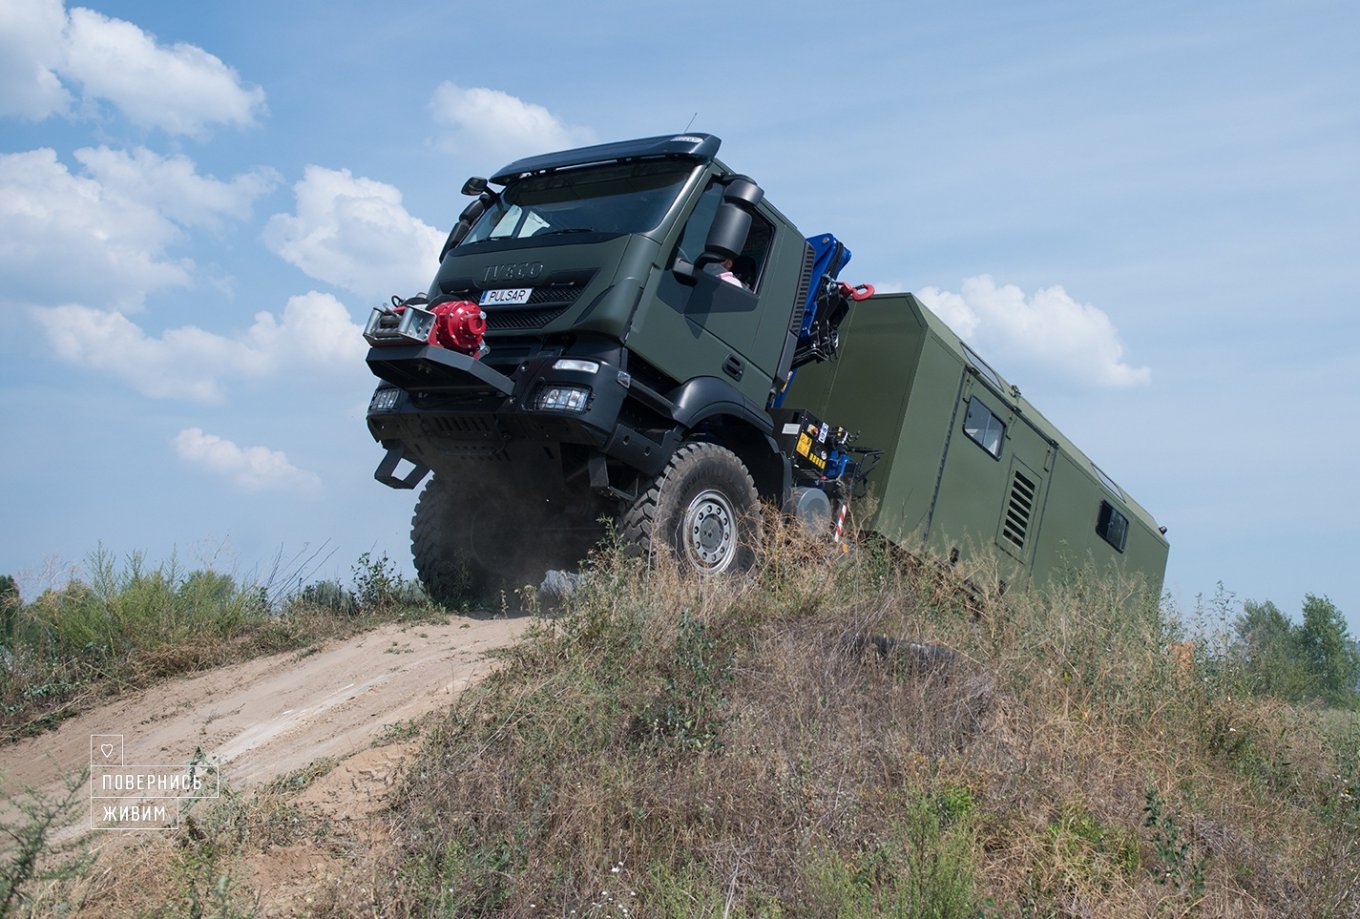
(459, 326)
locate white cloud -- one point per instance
(31, 47)
(1049, 329)
(248, 468)
(355, 233)
(63, 235)
(179, 88)
(314, 332)
(173, 186)
(496, 124)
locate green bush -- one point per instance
(330, 595)
(380, 587)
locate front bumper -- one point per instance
(453, 408)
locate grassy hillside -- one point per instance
(671, 748)
(849, 736)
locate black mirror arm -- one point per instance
(467, 218)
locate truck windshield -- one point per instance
(615, 199)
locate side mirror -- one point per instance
(728, 234)
(743, 190)
(474, 186)
(732, 224)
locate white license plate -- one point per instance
(506, 296)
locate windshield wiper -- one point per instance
(566, 230)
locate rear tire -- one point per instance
(703, 511)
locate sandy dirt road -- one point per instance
(270, 716)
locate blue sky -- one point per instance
(1145, 214)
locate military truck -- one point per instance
(630, 333)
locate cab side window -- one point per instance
(750, 263)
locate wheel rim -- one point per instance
(709, 531)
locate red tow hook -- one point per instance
(857, 292)
(459, 326)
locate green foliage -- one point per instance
(923, 870)
(1175, 865)
(1342, 732)
(29, 831)
(688, 713)
(1313, 660)
(1331, 656)
(689, 893)
(1085, 850)
(381, 587)
(330, 595)
(10, 604)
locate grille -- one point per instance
(1018, 510)
(565, 295)
(503, 318)
(545, 304)
(457, 424)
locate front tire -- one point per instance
(703, 511)
(441, 546)
(474, 535)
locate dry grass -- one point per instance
(129, 626)
(747, 748)
(846, 736)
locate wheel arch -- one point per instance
(712, 409)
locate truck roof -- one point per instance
(698, 147)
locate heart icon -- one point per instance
(106, 749)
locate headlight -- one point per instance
(384, 400)
(561, 398)
(568, 363)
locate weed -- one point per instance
(397, 732)
(381, 587)
(921, 869)
(688, 712)
(330, 595)
(29, 832)
(1084, 851)
(1174, 863)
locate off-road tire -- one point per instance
(441, 541)
(475, 535)
(703, 511)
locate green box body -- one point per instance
(905, 382)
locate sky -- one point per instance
(1146, 215)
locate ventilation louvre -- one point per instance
(1019, 507)
(800, 298)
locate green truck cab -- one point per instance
(615, 333)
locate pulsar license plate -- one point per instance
(506, 296)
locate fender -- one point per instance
(704, 397)
(750, 430)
